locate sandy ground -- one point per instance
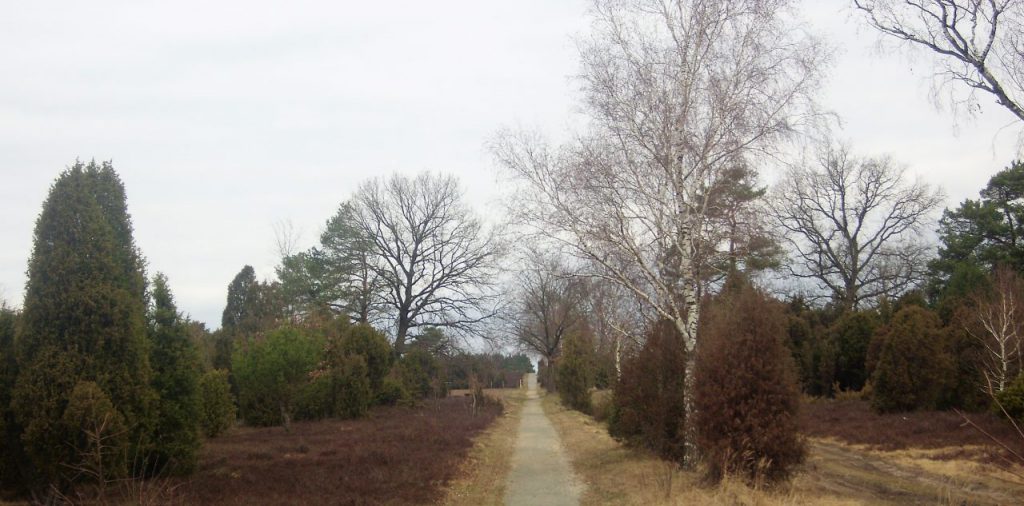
(541, 473)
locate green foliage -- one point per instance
(83, 319)
(11, 453)
(981, 234)
(356, 393)
(391, 392)
(100, 436)
(419, 373)
(575, 374)
(252, 309)
(744, 389)
(175, 380)
(272, 374)
(1011, 399)
(216, 404)
(914, 364)
(814, 353)
(373, 347)
(648, 405)
(850, 336)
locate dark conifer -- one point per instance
(83, 319)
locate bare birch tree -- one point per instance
(996, 320)
(853, 224)
(678, 91)
(977, 44)
(434, 259)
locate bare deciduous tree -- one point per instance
(977, 43)
(548, 303)
(678, 92)
(996, 320)
(434, 259)
(853, 224)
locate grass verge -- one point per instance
(481, 476)
(835, 474)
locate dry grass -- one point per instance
(852, 421)
(396, 455)
(480, 479)
(835, 474)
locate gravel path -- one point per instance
(540, 468)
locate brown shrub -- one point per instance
(745, 393)
(649, 400)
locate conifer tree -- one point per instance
(83, 319)
(175, 377)
(10, 444)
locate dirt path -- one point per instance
(540, 469)
(847, 472)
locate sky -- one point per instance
(227, 118)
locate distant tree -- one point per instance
(976, 44)
(913, 364)
(981, 234)
(854, 225)
(253, 308)
(351, 257)
(216, 404)
(434, 259)
(83, 321)
(517, 363)
(547, 306)
(175, 379)
(745, 390)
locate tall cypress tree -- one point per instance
(175, 379)
(83, 320)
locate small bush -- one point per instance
(1012, 399)
(101, 438)
(745, 392)
(354, 389)
(273, 374)
(373, 346)
(417, 371)
(648, 402)
(391, 392)
(216, 404)
(574, 373)
(913, 363)
(601, 405)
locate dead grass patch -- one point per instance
(481, 476)
(835, 474)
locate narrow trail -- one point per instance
(541, 473)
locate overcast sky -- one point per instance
(224, 118)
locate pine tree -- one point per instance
(83, 319)
(175, 378)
